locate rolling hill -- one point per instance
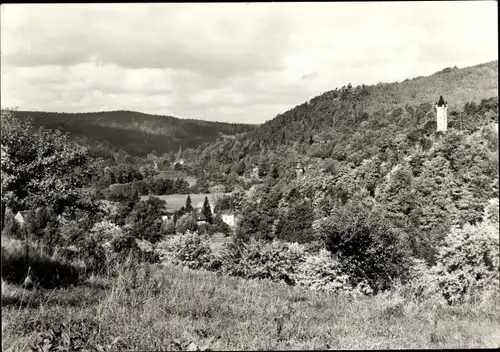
(354, 123)
(135, 133)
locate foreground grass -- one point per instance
(165, 308)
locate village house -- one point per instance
(229, 219)
(200, 218)
(21, 217)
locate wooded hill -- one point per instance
(354, 123)
(133, 132)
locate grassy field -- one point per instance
(168, 308)
(176, 201)
(172, 174)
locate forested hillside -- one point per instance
(370, 150)
(354, 122)
(133, 132)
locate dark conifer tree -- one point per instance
(188, 207)
(207, 211)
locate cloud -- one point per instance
(228, 62)
(152, 36)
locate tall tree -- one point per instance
(206, 210)
(145, 219)
(434, 194)
(188, 207)
(42, 168)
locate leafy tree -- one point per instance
(395, 194)
(145, 219)
(206, 210)
(256, 223)
(295, 226)
(42, 168)
(221, 226)
(367, 245)
(434, 196)
(185, 223)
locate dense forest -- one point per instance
(133, 132)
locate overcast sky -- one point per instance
(228, 62)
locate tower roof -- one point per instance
(441, 101)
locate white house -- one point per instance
(21, 217)
(229, 219)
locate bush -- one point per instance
(186, 223)
(367, 245)
(190, 249)
(205, 229)
(168, 227)
(70, 233)
(276, 260)
(323, 273)
(73, 336)
(146, 252)
(468, 263)
(105, 231)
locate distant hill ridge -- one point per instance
(134, 132)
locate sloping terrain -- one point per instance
(135, 133)
(356, 119)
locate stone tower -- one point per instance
(441, 110)
(299, 169)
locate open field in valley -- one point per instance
(176, 201)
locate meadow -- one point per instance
(163, 307)
(176, 201)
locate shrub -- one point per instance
(205, 229)
(186, 223)
(73, 336)
(105, 231)
(190, 249)
(367, 245)
(146, 252)
(70, 233)
(168, 227)
(468, 263)
(276, 260)
(466, 270)
(323, 273)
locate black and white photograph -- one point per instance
(249, 176)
